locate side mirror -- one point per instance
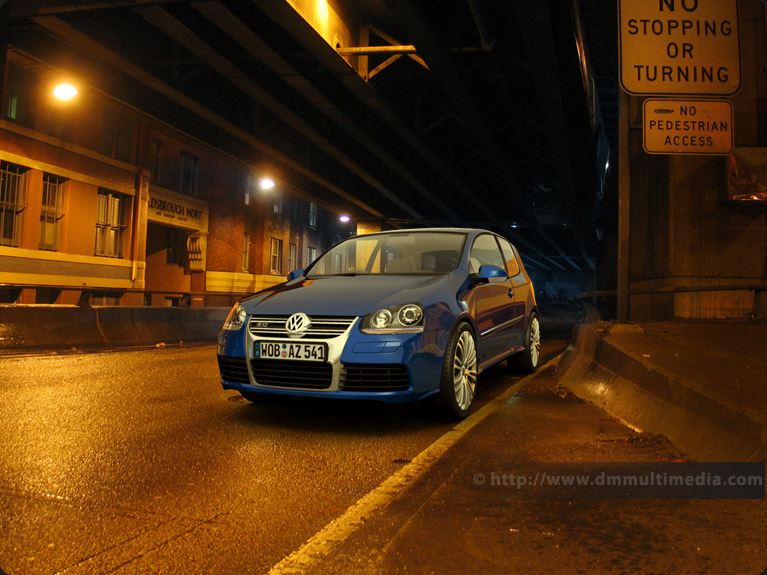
(491, 274)
(295, 273)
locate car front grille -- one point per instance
(322, 327)
(234, 369)
(292, 374)
(372, 378)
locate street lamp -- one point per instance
(266, 183)
(65, 92)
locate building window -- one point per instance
(110, 223)
(117, 136)
(60, 124)
(155, 161)
(12, 110)
(277, 203)
(312, 215)
(176, 241)
(13, 184)
(246, 251)
(189, 174)
(292, 257)
(311, 255)
(18, 98)
(276, 257)
(50, 213)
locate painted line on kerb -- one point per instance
(321, 544)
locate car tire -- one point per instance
(527, 359)
(459, 374)
(256, 397)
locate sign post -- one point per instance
(673, 48)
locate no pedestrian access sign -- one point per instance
(675, 47)
(687, 126)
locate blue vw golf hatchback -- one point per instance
(393, 316)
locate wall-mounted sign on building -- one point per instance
(687, 126)
(177, 210)
(672, 47)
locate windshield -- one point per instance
(425, 253)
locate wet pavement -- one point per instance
(138, 462)
(461, 517)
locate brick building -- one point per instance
(101, 203)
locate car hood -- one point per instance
(344, 295)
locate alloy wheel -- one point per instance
(465, 370)
(535, 340)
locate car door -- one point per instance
(492, 301)
(520, 288)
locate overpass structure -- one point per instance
(474, 112)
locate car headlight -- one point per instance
(407, 318)
(236, 318)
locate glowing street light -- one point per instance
(266, 183)
(65, 92)
(344, 219)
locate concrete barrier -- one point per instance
(36, 327)
(50, 327)
(651, 398)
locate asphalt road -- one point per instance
(138, 462)
(486, 505)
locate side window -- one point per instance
(111, 223)
(275, 265)
(485, 252)
(512, 265)
(13, 185)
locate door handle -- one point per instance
(511, 293)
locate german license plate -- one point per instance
(290, 350)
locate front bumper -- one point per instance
(386, 367)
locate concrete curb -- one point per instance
(647, 396)
(28, 328)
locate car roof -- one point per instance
(419, 230)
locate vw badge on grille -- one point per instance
(297, 323)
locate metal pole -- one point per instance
(366, 50)
(624, 209)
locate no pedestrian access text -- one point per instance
(687, 126)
